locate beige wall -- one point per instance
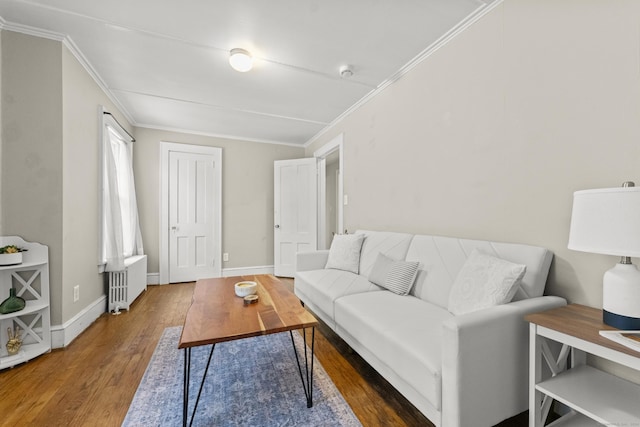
(49, 170)
(247, 194)
(82, 100)
(489, 137)
(32, 148)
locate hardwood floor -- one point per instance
(92, 381)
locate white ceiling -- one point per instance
(165, 62)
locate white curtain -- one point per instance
(121, 237)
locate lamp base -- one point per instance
(621, 297)
(621, 322)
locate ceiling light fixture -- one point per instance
(240, 60)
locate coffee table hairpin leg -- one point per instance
(308, 373)
(187, 375)
(307, 377)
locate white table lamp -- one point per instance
(607, 221)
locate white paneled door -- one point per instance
(295, 212)
(193, 217)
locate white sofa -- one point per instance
(469, 370)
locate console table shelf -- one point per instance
(592, 394)
(602, 397)
(24, 266)
(30, 279)
(31, 307)
(573, 419)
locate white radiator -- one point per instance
(125, 286)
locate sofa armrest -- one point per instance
(485, 363)
(312, 260)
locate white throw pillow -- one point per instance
(396, 276)
(344, 253)
(484, 281)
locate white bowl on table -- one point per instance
(246, 288)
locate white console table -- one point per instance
(31, 281)
(594, 397)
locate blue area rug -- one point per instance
(251, 382)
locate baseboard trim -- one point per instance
(247, 271)
(62, 335)
(154, 278)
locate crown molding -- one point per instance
(32, 31)
(484, 8)
(73, 48)
(217, 135)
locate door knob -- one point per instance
(277, 226)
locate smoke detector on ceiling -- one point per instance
(346, 71)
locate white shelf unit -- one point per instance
(594, 397)
(31, 282)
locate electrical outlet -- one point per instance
(76, 293)
(225, 256)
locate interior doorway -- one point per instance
(295, 212)
(190, 212)
(330, 191)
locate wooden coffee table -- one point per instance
(216, 315)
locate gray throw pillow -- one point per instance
(396, 276)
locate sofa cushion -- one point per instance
(396, 276)
(403, 332)
(323, 287)
(484, 281)
(344, 253)
(393, 245)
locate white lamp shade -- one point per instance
(606, 221)
(240, 60)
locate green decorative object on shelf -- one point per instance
(13, 303)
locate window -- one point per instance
(120, 231)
